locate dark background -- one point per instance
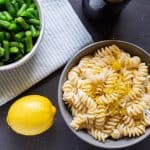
(133, 26)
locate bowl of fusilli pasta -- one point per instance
(104, 94)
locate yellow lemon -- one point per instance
(31, 115)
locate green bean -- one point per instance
(34, 21)
(30, 9)
(6, 53)
(2, 16)
(35, 33)
(33, 30)
(8, 25)
(14, 44)
(32, 6)
(21, 39)
(7, 15)
(1, 51)
(2, 2)
(22, 23)
(28, 41)
(20, 2)
(28, 2)
(33, 12)
(36, 13)
(5, 24)
(19, 36)
(10, 8)
(7, 35)
(15, 4)
(14, 50)
(21, 47)
(13, 26)
(22, 9)
(28, 14)
(19, 29)
(2, 35)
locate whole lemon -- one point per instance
(31, 115)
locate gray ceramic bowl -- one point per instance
(30, 54)
(109, 144)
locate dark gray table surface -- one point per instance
(133, 26)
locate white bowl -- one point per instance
(30, 54)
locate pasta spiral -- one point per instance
(98, 135)
(135, 109)
(133, 131)
(128, 121)
(108, 93)
(100, 117)
(111, 124)
(82, 121)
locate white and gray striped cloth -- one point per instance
(64, 36)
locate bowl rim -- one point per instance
(31, 53)
(61, 107)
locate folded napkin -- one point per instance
(64, 35)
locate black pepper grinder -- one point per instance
(103, 10)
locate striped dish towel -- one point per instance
(64, 35)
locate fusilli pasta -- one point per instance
(108, 94)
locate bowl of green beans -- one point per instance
(21, 30)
